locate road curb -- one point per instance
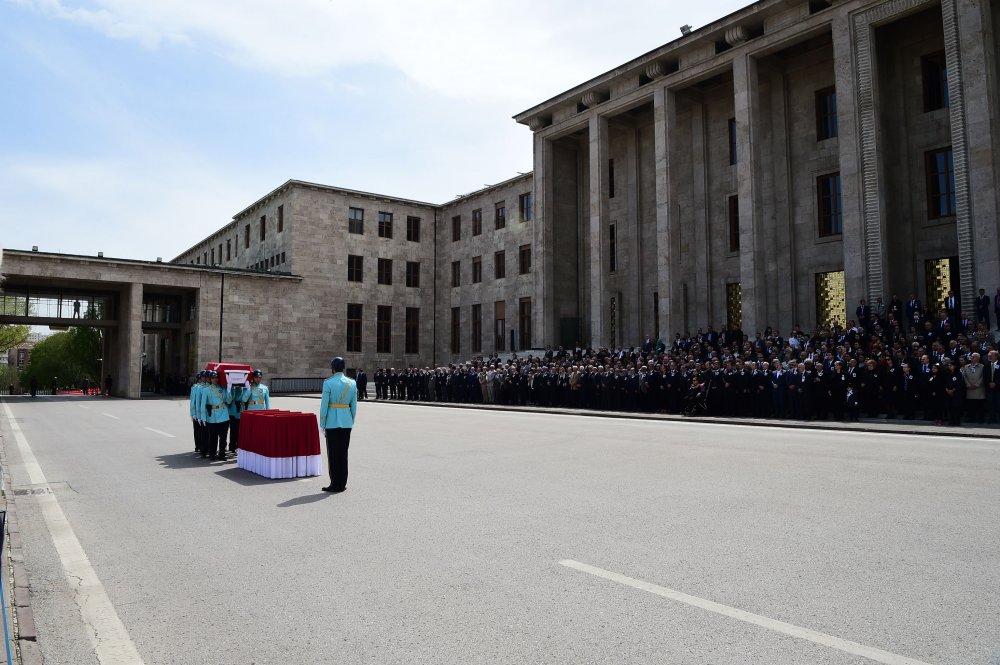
(867, 426)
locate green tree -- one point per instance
(70, 357)
(11, 336)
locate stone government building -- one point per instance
(770, 168)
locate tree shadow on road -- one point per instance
(302, 500)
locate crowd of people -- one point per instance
(899, 360)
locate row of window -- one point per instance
(525, 208)
(383, 329)
(356, 224)
(267, 264)
(356, 271)
(210, 258)
(499, 327)
(499, 266)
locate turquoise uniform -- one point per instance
(214, 407)
(235, 401)
(256, 398)
(339, 404)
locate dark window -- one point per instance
(456, 273)
(263, 226)
(935, 76)
(205, 258)
(385, 225)
(524, 259)
(826, 114)
(355, 268)
(477, 269)
(613, 248)
(499, 325)
(734, 223)
(354, 327)
(477, 222)
(383, 329)
(229, 250)
(477, 328)
(456, 228)
(500, 265)
(281, 218)
(501, 215)
(413, 273)
(385, 271)
(246, 236)
(732, 140)
(611, 178)
(830, 218)
(524, 322)
(940, 183)
(220, 252)
(282, 258)
(356, 220)
(524, 203)
(236, 244)
(456, 329)
(213, 257)
(413, 229)
(412, 343)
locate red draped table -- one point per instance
(279, 444)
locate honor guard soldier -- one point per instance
(215, 414)
(257, 398)
(338, 408)
(235, 400)
(195, 406)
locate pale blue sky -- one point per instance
(137, 127)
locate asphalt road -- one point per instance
(446, 548)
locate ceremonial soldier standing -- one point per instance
(338, 408)
(195, 402)
(235, 408)
(215, 414)
(257, 398)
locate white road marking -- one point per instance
(108, 636)
(877, 655)
(111, 416)
(170, 436)
(82, 406)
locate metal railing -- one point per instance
(295, 385)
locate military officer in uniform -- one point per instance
(215, 413)
(195, 408)
(257, 398)
(235, 401)
(338, 408)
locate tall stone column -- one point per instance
(545, 324)
(748, 134)
(664, 132)
(971, 104)
(128, 381)
(598, 223)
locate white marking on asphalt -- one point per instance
(82, 406)
(171, 436)
(114, 646)
(111, 416)
(878, 655)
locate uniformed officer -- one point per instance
(235, 401)
(195, 407)
(215, 413)
(257, 398)
(338, 408)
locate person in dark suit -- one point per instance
(914, 308)
(953, 305)
(983, 308)
(362, 381)
(996, 307)
(863, 313)
(992, 381)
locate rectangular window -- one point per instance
(524, 322)
(385, 271)
(935, 78)
(229, 250)
(734, 223)
(456, 228)
(477, 328)
(354, 327)
(499, 325)
(413, 229)
(500, 265)
(281, 218)
(501, 215)
(456, 329)
(826, 113)
(220, 252)
(282, 258)
(356, 220)
(477, 222)
(355, 268)
(383, 329)
(456, 273)
(940, 183)
(831, 221)
(236, 244)
(613, 248)
(477, 269)
(213, 257)
(263, 226)
(385, 225)
(732, 140)
(611, 178)
(524, 259)
(413, 274)
(412, 343)
(246, 236)
(524, 204)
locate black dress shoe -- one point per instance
(334, 490)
